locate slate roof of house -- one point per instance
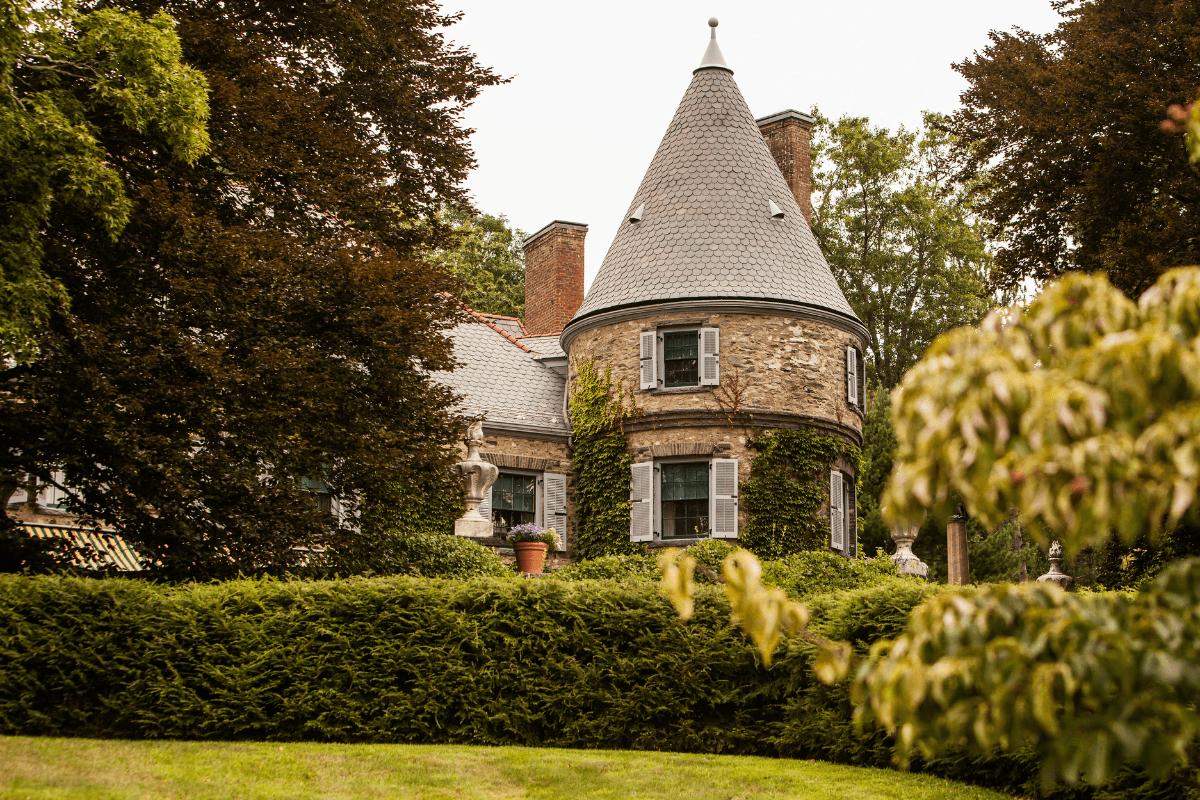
(706, 231)
(500, 376)
(545, 346)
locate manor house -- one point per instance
(714, 305)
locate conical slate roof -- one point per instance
(706, 229)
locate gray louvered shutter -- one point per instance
(723, 491)
(710, 356)
(837, 539)
(852, 376)
(649, 360)
(851, 517)
(641, 502)
(485, 508)
(862, 381)
(554, 493)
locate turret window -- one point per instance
(681, 359)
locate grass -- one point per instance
(88, 769)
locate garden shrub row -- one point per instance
(587, 664)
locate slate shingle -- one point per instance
(500, 378)
(706, 231)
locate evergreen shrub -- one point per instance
(587, 664)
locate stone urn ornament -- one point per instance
(475, 477)
(907, 562)
(1056, 575)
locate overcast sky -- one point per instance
(594, 85)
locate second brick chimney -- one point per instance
(789, 136)
(553, 276)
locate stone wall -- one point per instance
(769, 365)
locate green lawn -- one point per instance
(40, 769)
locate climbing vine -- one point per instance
(601, 463)
(788, 482)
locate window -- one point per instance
(514, 501)
(681, 357)
(321, 494)
(518, 498)
(684, 500)
(843, 514)
(856, 379)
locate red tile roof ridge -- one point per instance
(483, 318)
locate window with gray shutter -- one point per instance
(852, 376)
(724, 494)
(862, 382)
(649, 361)
(710, 356)
(641, 502)
(837, 538)
(554, 494)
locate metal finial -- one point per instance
(712, 23)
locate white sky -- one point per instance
(594, 85)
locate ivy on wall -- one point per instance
(601, 464)
(789, 481)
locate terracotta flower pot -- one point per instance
(531, 556)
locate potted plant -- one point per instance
(530, 543)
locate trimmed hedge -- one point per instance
(587, 664)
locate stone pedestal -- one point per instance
(958, 564)
(1056, 575)
(476, 477)
(906, 560)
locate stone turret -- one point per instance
(716, 306)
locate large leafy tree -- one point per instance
(1065, 128)
(68, 80)
(262, 318)
(898, 233)
(489, 259)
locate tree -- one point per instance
(69, 80)
(1082, 410)
(489, 258)
(898, 234)
(1064, 129)
(262, 318)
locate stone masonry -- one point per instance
(783, 365)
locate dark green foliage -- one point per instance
(1065, 129)
(489, 259)
(611, 568)
(601, 459)
(788, 482)
(816, 572)
(997, 558)
(432, 555)
(264, 315)
(878, 455)
(589, 665)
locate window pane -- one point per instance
(685, 500)
(681, 352)
(514, 492)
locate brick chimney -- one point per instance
(788, 135)
(553, 276)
